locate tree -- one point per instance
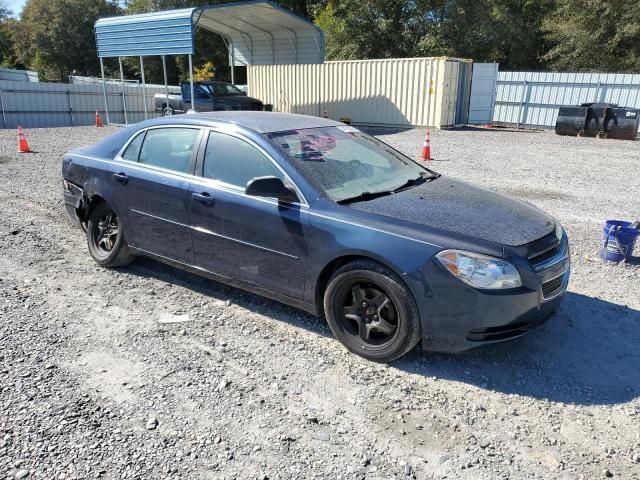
(59, 33)
(6, 40)
(56, 36)
(505, 31)
(4, 10)
(204, 73)
(359, 29)
(593, 35)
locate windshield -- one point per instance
(347, 163)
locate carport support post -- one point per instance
(193, 98)
(104, 92)
(144, 89)
(166, 84)
(124, 96)
(232, 61)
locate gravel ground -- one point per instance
(149, 372)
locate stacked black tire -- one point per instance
(604, 120)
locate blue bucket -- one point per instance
(618, 241)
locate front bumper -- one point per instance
(457, 317)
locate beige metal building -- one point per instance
(390, 92)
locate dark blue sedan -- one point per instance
(318, 215)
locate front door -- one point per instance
(157, 191)
(258, 241)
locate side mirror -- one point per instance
(270, 187)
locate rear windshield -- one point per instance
(345, 162)
(110, 146)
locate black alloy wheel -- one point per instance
(368, 314)
(105, 238)
(371, 311)
(106, 232)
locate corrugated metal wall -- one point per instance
(533, 98)
(35, 105)
(483, 93)
(393, 92)
(18, 75)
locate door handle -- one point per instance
(121, 177)
(204, 198)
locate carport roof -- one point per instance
(257, 33)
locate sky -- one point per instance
(18, 5)
(15, 5)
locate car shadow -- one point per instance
(146, 267)
(390, 130)
(496, 128)
(633, 261)
(375, 130)
(588, 354)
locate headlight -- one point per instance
(480, 271)
(559, 231)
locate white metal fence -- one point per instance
(388, 92)
(76, 79)
(34, 105)
(533, 98)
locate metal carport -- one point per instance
(256, 33)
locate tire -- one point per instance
(167, 112)
(108, 248)
(371, 311)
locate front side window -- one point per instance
(169, 148)
(234, 161)
(346, 163)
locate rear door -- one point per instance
(155, 176)
(259, 241)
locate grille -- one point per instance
(545, 255)
(552, 286)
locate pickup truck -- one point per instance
(211, 96)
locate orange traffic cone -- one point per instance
(426, 147)
(23, 146)
(326, 115)
(98, 120)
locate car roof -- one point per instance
(261, 122)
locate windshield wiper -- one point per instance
(364, 196)
(424, 176)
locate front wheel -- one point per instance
(105, 238)
(371, 311)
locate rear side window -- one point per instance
(169, 148)
(234, 161)
(133, 150)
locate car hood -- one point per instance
(460, 208)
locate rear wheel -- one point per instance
(167, 112)
(105, 238)
(371, 311)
